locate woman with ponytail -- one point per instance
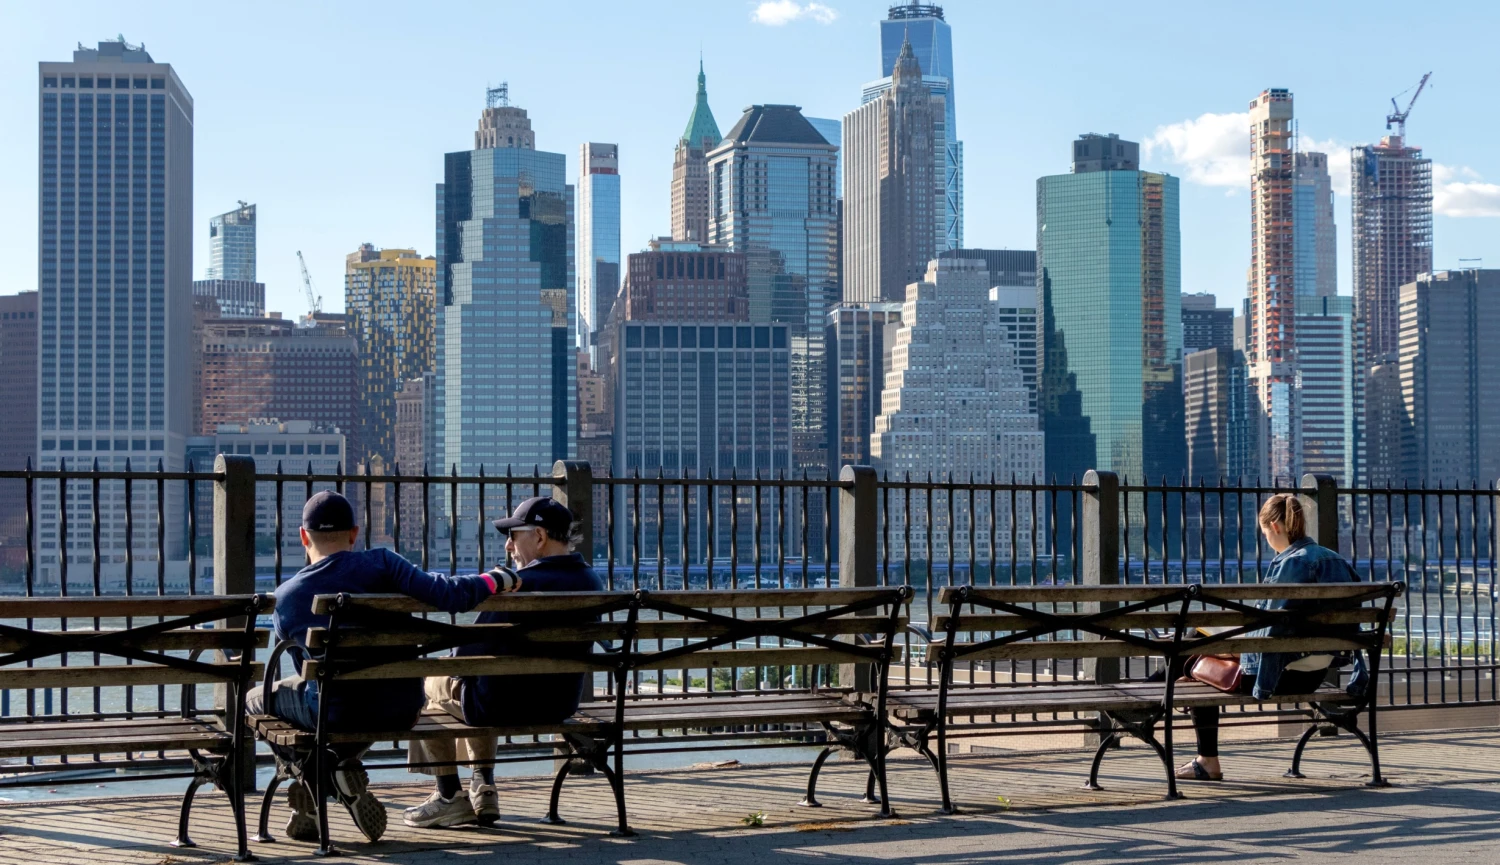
(1298, 559)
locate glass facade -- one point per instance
(390, 301)
(598, 239)
(231, 245)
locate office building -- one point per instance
(892, 206)
(595, 412)
(598, 237)
(773, 196)
(1010, 268)
(390, 306)
(1332, 380)
(697, 399)
(505, 351)
(115, 291)
(18, 358)
(415, 422)
(270, 368)
(690, 195)
(1451, 429)
(1218, 438)
(1315, 237)
(1012, 279)
(231, 245)
(860, 336)
(685, 281)
(954, 407)
(1109, 259)
(931, 38)
(1205, 324)
(1271, 347)
(236, 298)
(1391, 187)
(273, 444)
(833, 132)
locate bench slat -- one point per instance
(115, 675)
(1128, 594)
(1003, 622)
(651, 629)
(1068, 649)
(184, 640)
(563, 601)
(909, 704)
(139, 606)
(47, 739)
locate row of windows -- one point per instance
(69, 82)
(101, 444)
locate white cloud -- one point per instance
(778, 13)
(1212, 149)
(1471, 196)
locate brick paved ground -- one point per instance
(1443, 808)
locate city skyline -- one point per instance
(1180, 124)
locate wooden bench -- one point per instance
(604, 632)
(1158, 622)
(156, 627)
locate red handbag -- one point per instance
(1218, 671)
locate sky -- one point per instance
(333, 117)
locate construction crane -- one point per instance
(314, 301)
(1397, 116)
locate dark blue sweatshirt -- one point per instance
(380, 704)
(539, 699)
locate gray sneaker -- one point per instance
(440, 813)
(303, 825)
(485, 801)
(352, 785)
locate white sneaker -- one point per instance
(439, 813)
(485, 801)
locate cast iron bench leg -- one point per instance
(811, 800)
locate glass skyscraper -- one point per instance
(505, 361)
(598, 238)
(231, 245)
(389, 302)
(1315, 237)
(115, 280)
(1109, 264)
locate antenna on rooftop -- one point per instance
(497, 97)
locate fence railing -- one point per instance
(233, 530)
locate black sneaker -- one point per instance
(303, 825)
(351, 785)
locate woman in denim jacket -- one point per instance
(1298, 560)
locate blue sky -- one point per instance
(334, 117)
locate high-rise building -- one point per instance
(1315, 243)
(1214, 413)
(390, 304)
(505, 353)
(18, 356)
(860, 336)
(833, 133)
(931, 38)
(892, 206)
(1451, 428)
(1332, 379)
(270, 368)
(954, 405)
(293, 445)
(415, 421)
(690, 201)
(1109, 259)
(1391, 189)
(231, 245)
(598, 237)
(1271, 350)
(236, 298)
(1205, 324)
(1012, 278)
(685, 281)
(773, 196)
(115, 277)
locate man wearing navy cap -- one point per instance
(334, 565)
(539, 537)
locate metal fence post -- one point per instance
(573, 486)
(1101, 554)
(234, 558)
(1320, 505)
(858, 550)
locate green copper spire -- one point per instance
(701, 129)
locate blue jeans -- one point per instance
(289, 703)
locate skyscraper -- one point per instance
(390, 302)
(773, 195)
(1012, 278)
(18, 357)
(1214, 412)
(505, 362)
(690, 203)
(954, 405)
(598, 237)
(931, 39)
(231, 245)
(1392, 191)
(1205, 324)
(1332, 384)
(1315, 243)
(115, 278)
(860, 336)
(1109, 259)
(235, 298)
(892, 210)
(685, 281)
(1271, 348)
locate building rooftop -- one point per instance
(775, 124)
(702, 130)
(114, 51)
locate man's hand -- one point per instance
(506, 580)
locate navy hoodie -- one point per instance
(536, 699)
(377, 704)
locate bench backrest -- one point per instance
(566, 632)
(155, 628)
(1046, 622)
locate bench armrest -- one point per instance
(919, 630)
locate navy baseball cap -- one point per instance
(328, 511)
(540, 512)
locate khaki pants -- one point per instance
(446, 694)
